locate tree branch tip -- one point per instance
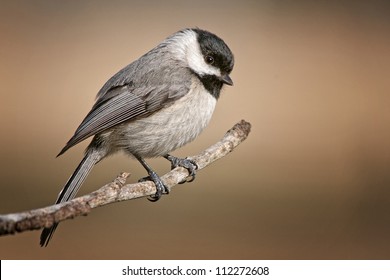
(243, 128)
(120, 180)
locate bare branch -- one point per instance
(117, 190)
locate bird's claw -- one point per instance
(160, 187)
(187, 163)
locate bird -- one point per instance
(153, 106)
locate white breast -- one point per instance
(169, 128)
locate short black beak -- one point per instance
(227, 80)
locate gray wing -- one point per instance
(124, 103)
(139, 89)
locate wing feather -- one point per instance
(139, 89)
(125, 104)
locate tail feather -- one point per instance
(71, 188)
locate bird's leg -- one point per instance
(160, 187)
(188, 164)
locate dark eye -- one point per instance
(209, 59)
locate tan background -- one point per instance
(311, 181)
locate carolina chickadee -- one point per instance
(153, 106)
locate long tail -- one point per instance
(72, 187)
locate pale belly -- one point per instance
(167, 129)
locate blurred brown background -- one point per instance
(311, 182)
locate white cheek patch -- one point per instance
(189, 50)
(196, 61)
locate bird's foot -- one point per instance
(187, 163)
(160, 187)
